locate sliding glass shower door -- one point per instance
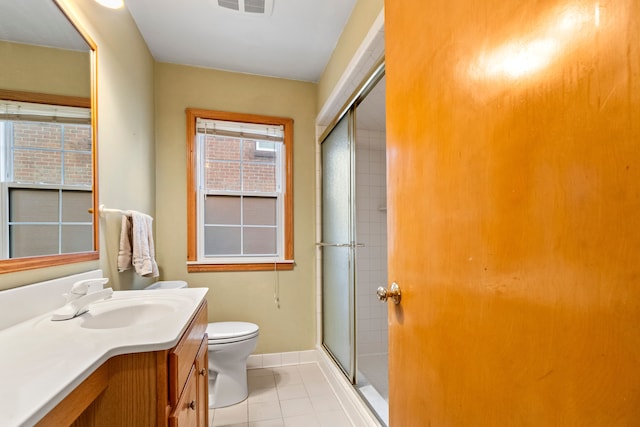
(354, 244)
(337, 248)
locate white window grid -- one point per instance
(7, 183)
(203, 192)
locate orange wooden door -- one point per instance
(513, 132)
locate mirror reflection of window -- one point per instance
(46, 182)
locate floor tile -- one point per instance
(302, 421)
(295, 407)
(284, 396)
(334, 419)
(318, 389)
(263, 381)
(263, 395)
(230, 415)
(288, 375)
(261, 372)
(325, 403)
(293, 391)
(267, 423)
(263, 411)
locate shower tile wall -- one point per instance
(371, 229)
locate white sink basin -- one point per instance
(131, 311)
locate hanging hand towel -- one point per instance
(143, 249)
(124, 253)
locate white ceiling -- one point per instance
(38, 22)
(294, 42)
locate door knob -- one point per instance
(393, 292)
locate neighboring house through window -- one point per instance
(239, 192)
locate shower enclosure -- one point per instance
(354, 244)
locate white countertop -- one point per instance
(42, 361)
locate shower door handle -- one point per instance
(341, 245)
(393, 292)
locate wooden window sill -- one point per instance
(266, 266)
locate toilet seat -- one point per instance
(228, 332)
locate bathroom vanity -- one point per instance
(156, 388)
(137, 359)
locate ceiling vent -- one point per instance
(253, 7)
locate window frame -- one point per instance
(8, 181)
(195, 265)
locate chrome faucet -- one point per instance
(82, 294)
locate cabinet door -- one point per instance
(185, 414)
(202, 370)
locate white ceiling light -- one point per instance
(253, 7)
(111, 4)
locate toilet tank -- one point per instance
(168, 284)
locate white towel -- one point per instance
(125, 252)
(136, 245)
(144, 260)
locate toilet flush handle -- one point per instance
(393, 292)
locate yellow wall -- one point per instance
(45, 70)
(362, 18)
(239, 295)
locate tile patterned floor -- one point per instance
(287, 396)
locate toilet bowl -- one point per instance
(230, 344)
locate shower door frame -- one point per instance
(349, 111)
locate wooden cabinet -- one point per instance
(202, 370)
(188, 377)
(185, 413)
(166, 388)
(192, 406)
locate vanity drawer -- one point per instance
(185, 413)
(183, 355)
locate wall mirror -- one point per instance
(48, 188)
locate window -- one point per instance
(239, 202)
(46, 181)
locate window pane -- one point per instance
(77, 238)
(77, 137)
(259, 241)
(222, 210)
(259, 210)
(37, 166)
(33, 206)
(259, 177)
(222, 240)
(33, 240)
(76, 205)
(222, 164)
(77, 169)
(259, 169)
(261, 152)
(37, 135)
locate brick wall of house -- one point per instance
(224, 168)
(40, 149)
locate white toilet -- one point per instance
(230, 344)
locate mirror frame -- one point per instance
(28, 263)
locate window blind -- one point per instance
(260, 132)
(25, 111)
